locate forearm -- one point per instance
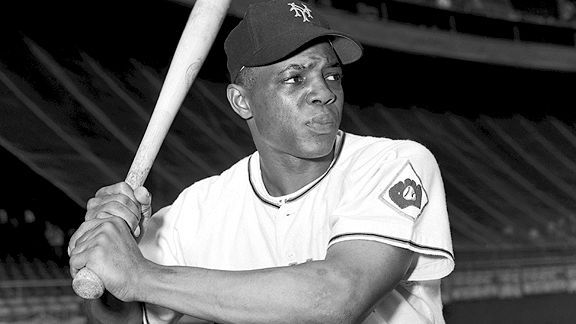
(311, 292)
(108, 309)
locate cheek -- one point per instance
(274, 117)
(281, 109)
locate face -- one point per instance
(296, 104)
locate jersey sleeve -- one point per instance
(396, 196)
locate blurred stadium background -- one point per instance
(487, 85)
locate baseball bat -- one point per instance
(199, 33)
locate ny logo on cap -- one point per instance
(303, 11)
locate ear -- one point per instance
(237, 97)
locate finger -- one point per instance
(85, 227)
(144, 197)
(108, 190)
(92, 203)
(137, 231)
(115, 205)
(116, 210)
(128, 201)
(97, 231)
(118, 188)
(102, 199)
(100, 233)
(81, 259)
(77, 262)
(85, 241)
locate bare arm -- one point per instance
(340, 289)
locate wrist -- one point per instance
(142, 280)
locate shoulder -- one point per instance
(233, 177)
(204, 193)
(365, 150)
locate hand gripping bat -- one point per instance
(197, 38)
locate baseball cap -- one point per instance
(272, 30)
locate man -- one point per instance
(316, 226)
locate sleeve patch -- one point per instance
(405, 192)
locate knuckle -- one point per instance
(122, 203)
(120, 199)
(100, 240)
(102, 214)
(125, 200)
(112, 207)
(92, 202)
(109, 226)
(89, 215)
(102, 191)
(114, 204)
(118, 222)
(124, 188)
(73, 261)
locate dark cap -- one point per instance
(272, 30)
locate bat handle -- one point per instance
(87, 284)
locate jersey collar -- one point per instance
(257, 184)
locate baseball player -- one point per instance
(318, 225)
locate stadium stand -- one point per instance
(509, 179)
(550, 22)
(35, 291)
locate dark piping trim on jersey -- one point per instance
(273, 204)
(264, 200)
(395, 239)
(145, 320)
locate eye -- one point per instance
(294, 79)
(334, 77)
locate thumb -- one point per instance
(145, 200)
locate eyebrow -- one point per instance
(298, 67)
(301, 67)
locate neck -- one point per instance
(289, 174)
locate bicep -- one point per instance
(374, 268)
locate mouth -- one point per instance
(322, 124)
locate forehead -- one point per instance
(317, 54)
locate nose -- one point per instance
(320, 93)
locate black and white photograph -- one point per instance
(288, 161)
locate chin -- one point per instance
(319, 150)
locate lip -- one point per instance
(322, 124)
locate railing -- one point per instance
(511, 279)
(39, 301)
(493, 18)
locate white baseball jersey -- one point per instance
(377, 189)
